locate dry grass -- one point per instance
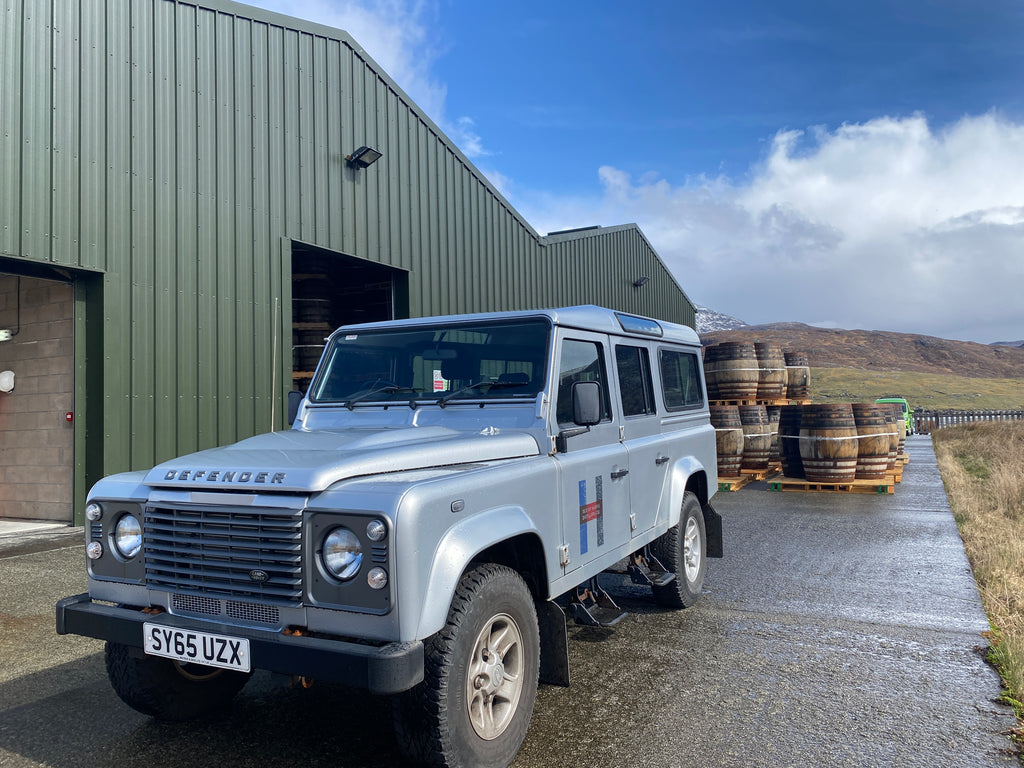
(982, 468)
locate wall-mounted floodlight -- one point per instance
(364, 157)
(640, 281)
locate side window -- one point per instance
(581, 361)
(634, 369)
(680, 379)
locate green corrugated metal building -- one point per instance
(179, 169)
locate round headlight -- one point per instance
(128, 536)
(377, 578)
(342, 554)
(93, 512)
(376, 530)
(94, 550)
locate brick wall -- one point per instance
(36, 442)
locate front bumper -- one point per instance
(384, 669)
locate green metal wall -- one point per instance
(174, 150)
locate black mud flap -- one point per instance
(554, 643)
(713, 529)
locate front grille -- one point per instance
(254, 613)
(216, 552)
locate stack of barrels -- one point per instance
(840, 442)
(748, 436)
(312, 303)
(736, 370)
(833, 443)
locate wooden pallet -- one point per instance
(855, 486)
(903, 459)
(726, 484)
(761, 474)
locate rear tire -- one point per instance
(682, 549)
(480, 676)
(168, 690)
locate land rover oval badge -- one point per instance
(258, 576)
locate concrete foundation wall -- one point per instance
(36, 441)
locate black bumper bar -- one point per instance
(385, 669)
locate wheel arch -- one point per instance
(697, 482)
(504, 535)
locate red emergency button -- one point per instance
(69, 417)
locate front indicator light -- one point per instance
(377, 578)
(376, 530)
(93, 512)
(94, 550)
(128, 536)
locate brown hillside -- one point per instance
(884, 350)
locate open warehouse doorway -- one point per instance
(37, 371)
(330, 289)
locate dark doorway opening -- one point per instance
(330, 289)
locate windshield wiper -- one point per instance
(476, 385)
(389, 388)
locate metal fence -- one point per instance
(926, 421)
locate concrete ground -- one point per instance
(839, 630)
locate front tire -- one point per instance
(168, 690)
(682, 549)
(480, 676)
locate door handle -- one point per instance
(621, 473)
(661, 460)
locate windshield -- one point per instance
(442, 363)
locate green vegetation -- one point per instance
(982, 467)
(922, 390)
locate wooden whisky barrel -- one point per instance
(872, 441)
(728, 439)
(733, 367)
(757, 437)
(828, 443)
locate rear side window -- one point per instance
(634, 369)
(680, 380)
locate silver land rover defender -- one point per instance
(450, 489)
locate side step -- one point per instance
(647, 571)
(591, 606)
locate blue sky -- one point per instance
(856, 165)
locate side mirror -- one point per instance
(586, 403)
(294, 401)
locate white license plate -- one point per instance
(197, 647)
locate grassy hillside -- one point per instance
(884, 350)
(925, 390)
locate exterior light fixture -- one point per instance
(7, 381)
(363, 157)
(640, 281)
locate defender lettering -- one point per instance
(225, 476)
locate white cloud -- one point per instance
(396, 34)
(885, 225)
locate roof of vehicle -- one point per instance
(584, 317)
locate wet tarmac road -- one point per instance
(840, 630)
